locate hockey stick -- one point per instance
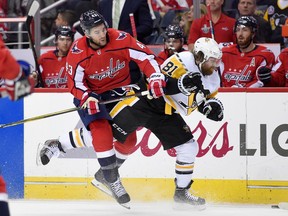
(31, 14)
(138, 94)
(211, 23)
(133, 25)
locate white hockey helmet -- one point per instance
(209, 47)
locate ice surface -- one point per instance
(107, 208)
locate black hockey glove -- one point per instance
(264, 74)
(190, 82)
(212, 109)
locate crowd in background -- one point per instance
(238, 26)
(163, 13)
(152, 17)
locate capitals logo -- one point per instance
(75, 49)
(122, 36)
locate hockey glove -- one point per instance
(19, 89)
(264, 74)
(90, 102)
(212, 109)
(190, 82)
(25, 66)
(157, 84)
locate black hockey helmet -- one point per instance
(90, 19)
(64, 31)
(248, 21)
(173, 31)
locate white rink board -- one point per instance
(222, 160)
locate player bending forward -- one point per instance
(16, 84)
(191, 71)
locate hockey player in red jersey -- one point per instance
(278, 75)
(173, 42)
(16, 85)
(240, 61)
(186, 74)
(4, 208)
(52, 63)
(17, 82)
(97, 66)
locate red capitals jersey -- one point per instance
(162, 56)
(2, 185)
(9, 68)
(280, 70)
(100, 70)
(239, 69)
(53, 71)
(223, 29)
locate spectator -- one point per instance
(3, 26)
(121, 20)
(240, 61)
(163, 6)
(84, 5)
(173, 42)
(278, 76)
(68, 18)
(248, 8)
(65, 18)
(222, 24)
(4, 6)
(188, 17)
(159, 6)
(79, 6)
(47, 19)
(276, 15)
(14, 8)
(52, 63)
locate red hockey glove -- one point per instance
(90, 102)
(157, 85)
(19, 89)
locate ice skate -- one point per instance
(115, 189)
(185, 200)
(51, 148)
(101, 183)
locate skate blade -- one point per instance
(101, 187)
(38, 159)
(126, 205)
(283, 205)
(105, 190)
(186, 207)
